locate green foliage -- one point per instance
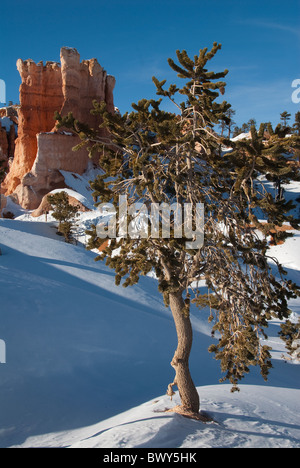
(296, 126)
(245, 128)
(290, 333)
(285, 116)
(227, 123)
(153, 156)
(275, 159)
(64, 213)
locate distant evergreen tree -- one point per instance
(156, 157)
(262, 129)
(296, 131)
(296, 126)
(230, 113)
(247, 126)
(222, 126)
(270, 128)
(64, 213)
(237, 131)
(251, 123)
(285, 116)
(227, 122)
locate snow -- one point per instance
(241, 136)
(88, 363)
(240, 421)
(80, 184)
(72, 193)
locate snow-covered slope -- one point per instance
(88, 363)
(253, 418)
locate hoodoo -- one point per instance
(41, 151)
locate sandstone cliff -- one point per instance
(41, 151)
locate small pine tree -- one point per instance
(157, 157)
(282, 152)
(251, 123)
(227, 122)
(285, 117)
(245, 128)
(296, 126)
(237, 131)
(64, 213)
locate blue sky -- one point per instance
(133, 39)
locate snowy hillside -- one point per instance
(88, 363)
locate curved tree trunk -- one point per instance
(189, 396)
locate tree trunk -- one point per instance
(180, 362)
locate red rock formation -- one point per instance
(40, 96)
(82, 83)
(54, 154)
(40, 150)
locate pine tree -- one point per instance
(227, 122)
(296, 131)
(237, 131)
(245, 128)
(64, 213)
(285, 116)
(155, 157)
(296, 126)
(281, 151)
(251, 123)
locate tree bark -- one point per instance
(188, 394)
